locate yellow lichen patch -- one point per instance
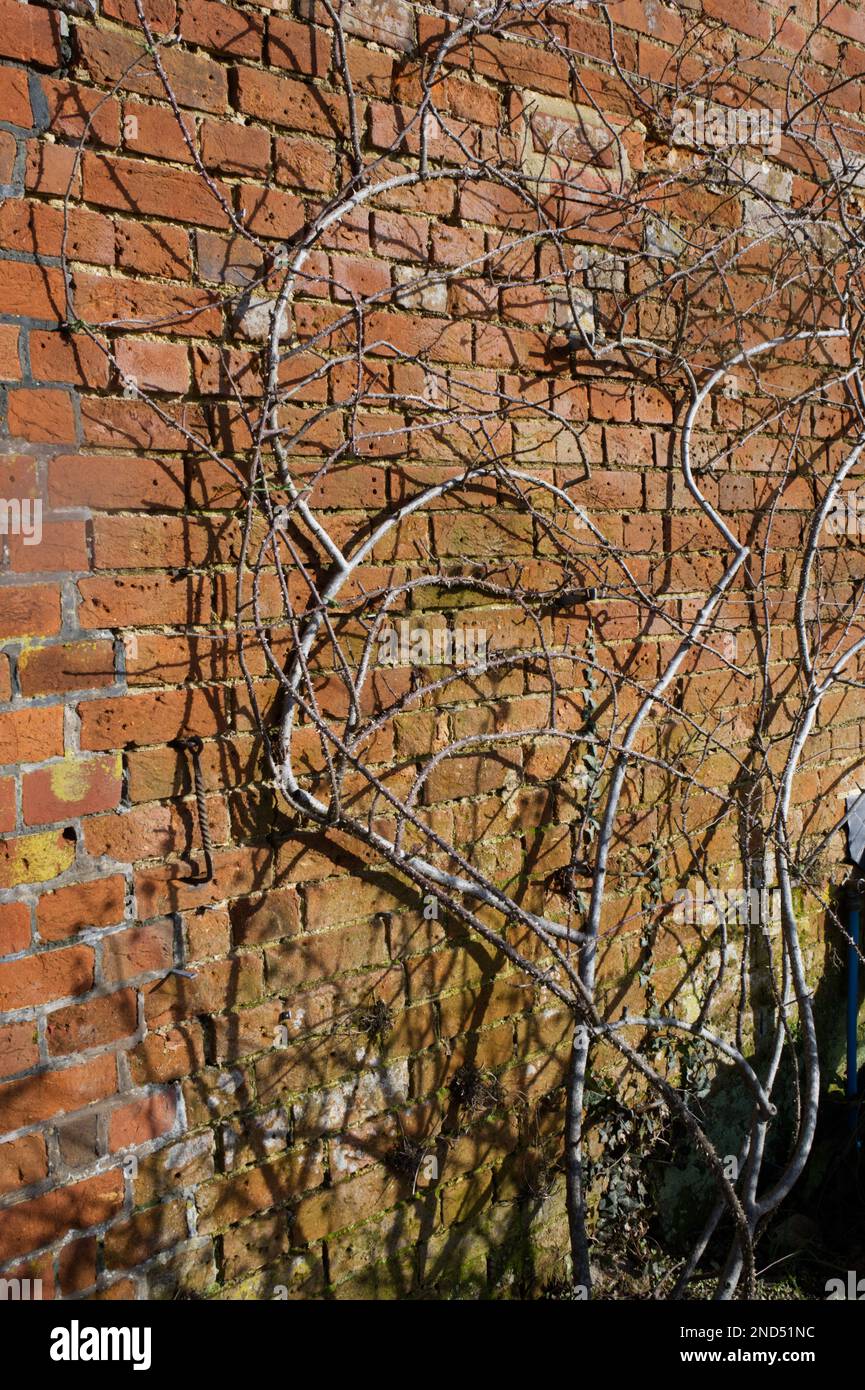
(71, 779)
(34, 858)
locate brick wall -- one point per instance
(232, 1127)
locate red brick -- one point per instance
(270, 213)
(29, 226)
(29, 735)
(10, 365)
(360, 276)
(8, 811)
(19, 1049)
(119, 423)
(130, 186)
(298, 47)
(66, 666)
(15, 97)
(234, 148)
(28, 34)
(748, 17)
(30, 1225)
(135, 600)
(156, 130)
(141, 1120)
(196, 80)
(47, 975)
(97, 903)
(78, 113)
(77, 1267)
(73, 358)
(53, 170)
(844, 19)
(31, 291)
(212, 24)
(305, 164)
(266, 918)
(154, 249)
(48, 1093)
(177, 309)
(154, 366)
(22, 1162)
(141, 950)
(41, 416)
(148, 719)
(517, 63)
(14, 928)
(99, 1021)
(174, 998)
(62, 548)
(168, 1056)
(296, 105)
(75, 787)
(113, 484)
(400, 237)
(160, 14)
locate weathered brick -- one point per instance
(77, 1265)
(22, 1162)
(235, 149)
(145, 1234)
(218, 26)
(57, 669)
(228, 1200)
(141, 1120)
(31, 610)
(41, 416)
(347, 1203)
(140, 950)
(35, 858)
(28, 34)
(266, 918)
(29, 1225)
(14, 928)
(31, 291)
(296, 105)
(15, 96)
(48, 1093)
(129, 186)
(154, 366)
(81, 1026)
(177, 998)
(113, 484)
(197, 81)
(19, 1048)
(74, 787)
(98, 903)
(47, 975)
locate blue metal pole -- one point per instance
(853, 1008)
